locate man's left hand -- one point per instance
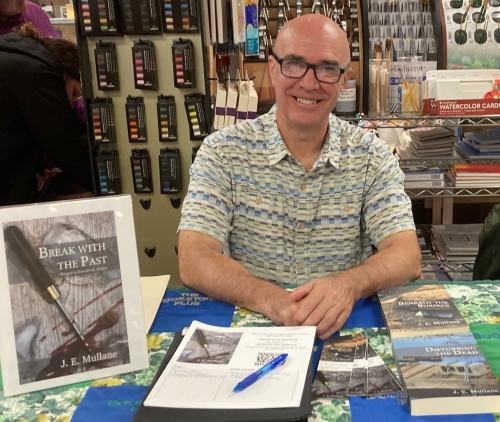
(325, 302)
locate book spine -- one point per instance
(424, 184)
(413, 177)
(477, 168)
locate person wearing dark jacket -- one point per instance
(39, 77)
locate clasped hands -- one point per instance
(324, 302)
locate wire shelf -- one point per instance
(447, 192)
(443, 266)
(417, 121)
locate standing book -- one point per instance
(420, 310)
(446, 375)
(70, 294)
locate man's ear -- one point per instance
(273, 67)
(347, 77)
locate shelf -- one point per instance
(442, 163)
(62, 21)
(409, 122)
(444, 267)
(452, 192)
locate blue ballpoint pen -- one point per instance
(248, 381)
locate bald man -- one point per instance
(298, 197)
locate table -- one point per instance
(114, 399)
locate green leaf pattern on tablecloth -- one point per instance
(242, 317)
(58, 404)
(477, 303)
(329, 410)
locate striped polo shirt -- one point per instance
(285, 225)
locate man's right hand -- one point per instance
(282, 309)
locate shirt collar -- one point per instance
(277, 150)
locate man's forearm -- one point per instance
(222, 278)
(393, 266)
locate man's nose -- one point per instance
(309, 79)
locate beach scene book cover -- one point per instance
(444, 366)
(65, 294)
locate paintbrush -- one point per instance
(385, 76)
(378, 58)
(482, 12)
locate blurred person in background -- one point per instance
(15, 13)
(39, 77)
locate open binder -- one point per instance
(168, 414)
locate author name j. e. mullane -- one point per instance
(89, 359)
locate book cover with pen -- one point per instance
(70, 294)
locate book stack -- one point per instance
(442, 368)
(429, 142)
(457, 242)
(427, 178)
(475, 175)
(349, 366)
(424, 241)
(470, 153)
(485, 141)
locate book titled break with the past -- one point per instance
(70, 296)
(420, 310)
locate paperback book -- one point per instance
(335, 366)
(461, 239)
(482, 148)
(466, 151)
(424, 184)
(430, 133)
(359, 376)
(424, 241)
(420, 310)
(379, 378)
(349, 366)
(430, 174)
(70, 294)
(446, 375)
(485, 137)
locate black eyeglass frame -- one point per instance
(310, 66)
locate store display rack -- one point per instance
(453, 192)
(418, 121)
(449, 191)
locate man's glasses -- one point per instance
(296, 69)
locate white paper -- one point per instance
(200, 378)
(153, 290)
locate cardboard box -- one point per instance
(232, 100)
(465, 98)
(462, 92)
(253, 100)
(220, 106)
(242, 108)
